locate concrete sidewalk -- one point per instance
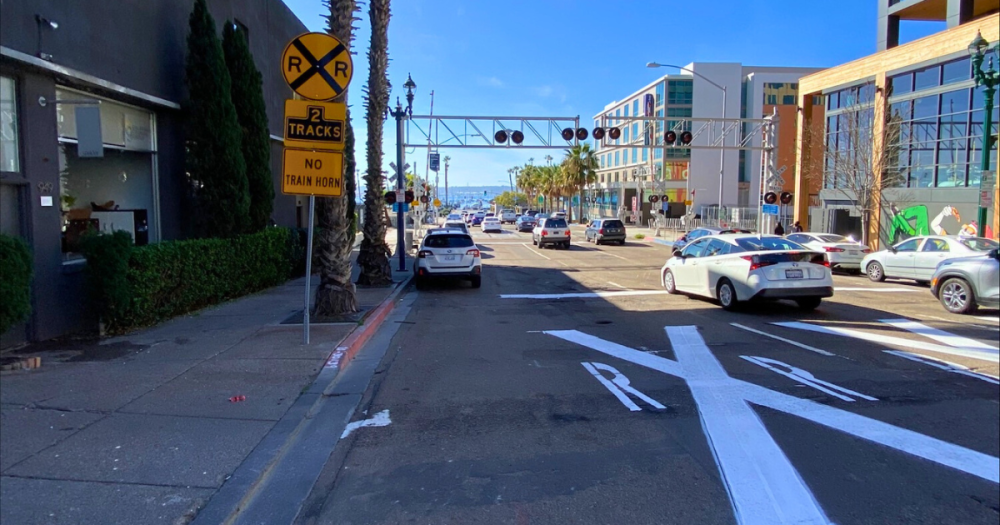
(146, 428)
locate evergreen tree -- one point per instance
(248, 97)
(214, 157)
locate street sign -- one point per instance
(986, 199)
(988, 181)
(319, 173)
(541, 199)
(395, 207)
(437, 202)
(315, 125)
(770, 209)
(317, 66)
(688, 202)
(435, 161)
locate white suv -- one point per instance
(551, 231)
(448, 253)
(508, 217)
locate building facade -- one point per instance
(70, 66)
(639, 164)
(912, 112)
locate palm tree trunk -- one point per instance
(335, 294)
(374, 255)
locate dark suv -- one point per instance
(605, 230)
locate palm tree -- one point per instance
(580, 170)
(335, 294)
(374, 255)
(548, 159)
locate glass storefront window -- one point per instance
(9, 156)
(925, 107)
(957, 71)
(113, 192)
(901, 84)
(926, 78)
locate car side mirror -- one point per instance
(892, 249)
(995, 253)
(677, 253)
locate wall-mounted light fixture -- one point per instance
(42, 24)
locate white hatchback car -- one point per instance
(492, 224)
(733, 268)
(448, 253)
(843, 253)
(458, 224)
(917, 258)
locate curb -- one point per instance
(352, 344)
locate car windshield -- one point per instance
(555, 223)
(448, 241)
(760, 244)
(979, 244)
(613, 224)
(833, 238)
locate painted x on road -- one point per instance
(764, 487)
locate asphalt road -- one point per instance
(515, 403)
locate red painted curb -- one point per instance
(352, 344)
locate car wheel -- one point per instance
(875, 272)
(727, 295)
(621, 242)
(668, 282)
(957, 297)
(533, 241)
(809, 303)
(477, 281)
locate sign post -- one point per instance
(316, 67)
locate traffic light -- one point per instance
(568, 133)
(686, 138)
(786, 198)
(409, 196)
(654, 198)
(390, 197)
(770, 197)
(614, 133)
(670, 137)
(424, 199)
(500, 136)
(517, 137)
(598, 133)
(579, 133)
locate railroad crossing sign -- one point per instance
(317, 66)
(315, 125)
(307, 172)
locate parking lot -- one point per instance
(572, 388)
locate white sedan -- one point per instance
(843, 253)
(733, 268)
(492, 224)
(917, 258)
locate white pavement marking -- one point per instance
(763, 485)
(614, 255)
(991, 319)
(938, 335)
(974, 325)
(378, 420)
(789, 341)
(622, 383)
(612, 283)
(943, 365)
(534, 251)
(581, 295)
(806, 378)
(878, 290)
(973, 353)
(976, 463)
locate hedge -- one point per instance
(15, 281)
(176, 277)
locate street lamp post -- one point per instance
(401, 114)
(988, 79)
(722, 152)
(447, 159)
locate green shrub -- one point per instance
(15, 281)
(176, 277)
(640, 236)
(107, 272)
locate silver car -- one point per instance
(964, 284)
(918, 257)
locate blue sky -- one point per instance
(568, 58)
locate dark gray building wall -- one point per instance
(139, 45)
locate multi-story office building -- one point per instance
(915, 105)
(638, 160)
(125, 60)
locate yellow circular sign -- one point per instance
(437, 202)
(317, 66)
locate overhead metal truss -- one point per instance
(718, 133)
(479, 132)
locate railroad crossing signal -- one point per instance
(317, 66)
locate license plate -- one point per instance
(453, 257)
(853, 252)
(793, 274)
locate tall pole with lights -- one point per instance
(988, 79)
(446, 160)
(401, 114)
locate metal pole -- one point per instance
(989, 91)
(446, 182)
(722, 155)
(309, 257)
(400, 180)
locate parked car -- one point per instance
(448, 253)
(508, 217)
(551, 231)
(457, 225)
(605, 230)
(964, 284)
(733, 268)
(492, 224)
(843, 253)
(917, 258)
(525, 223)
